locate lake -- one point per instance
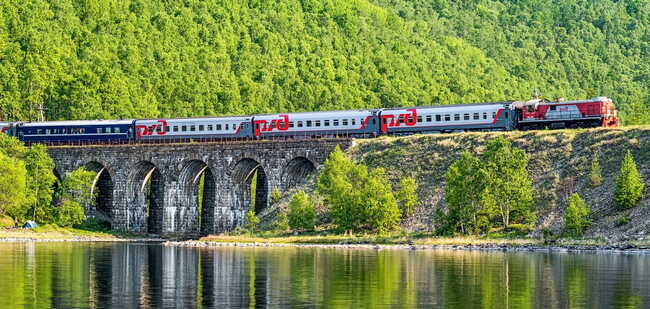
(149, 275)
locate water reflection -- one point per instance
(118, 275)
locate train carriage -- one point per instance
(4, 127)
(75, 131)
(448, 118)
(317, 124)
(193, 128)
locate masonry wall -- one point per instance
(170, 206)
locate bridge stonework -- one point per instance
(155, 188)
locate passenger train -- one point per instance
(496, 116)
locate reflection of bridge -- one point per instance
(155, 188)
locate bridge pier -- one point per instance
(154, 189)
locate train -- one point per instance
(492, 116)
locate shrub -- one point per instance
(595, 174)
(276, 196)
(69, 213)
(575, 216)
(282, 222)
(6, 222)
(623, 220)
(629, 185)
(301, 212)
(94, 224)
(518, 229)
(407, 196)
(251, 221)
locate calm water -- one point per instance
(119, 275)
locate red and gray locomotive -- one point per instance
(495, 116)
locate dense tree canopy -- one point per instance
(149, 58)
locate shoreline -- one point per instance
(555, 248)
(80, 239)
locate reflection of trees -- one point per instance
(150, 276)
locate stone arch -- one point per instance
(145, 198)
(103, 184)
(297, 171)
(242, 176)
(202, 206)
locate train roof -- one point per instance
(76, 123)
(324, 113)
(200, 118)
(452, 105)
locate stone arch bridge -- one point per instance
(155, 188)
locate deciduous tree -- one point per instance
(629, 184)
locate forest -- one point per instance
(92, 59)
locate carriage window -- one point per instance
(419, 118)
(219, 127)
(428, 118)
(175, 128)
(335, 123)
(438, 118)
(317, 123)
(309, 123)
(117, 130)
(39, 131)
(209, 127)
(299, 124)
(106, 130)
(466, 117)
(166, 129)
(82, 130)
(494, 115)
(290, 124)
(447, 117)
(456, 117)
(193, 128)
(326, 123)
(484, 115)
(354, 122)
(184, 128)
(345, 122)
(477, 116)
(201, 127)
(99, 130)
(553, 107)
(47, 131)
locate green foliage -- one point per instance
(69, 213)
(13, 197)
(629, 184)
(121, 59)
(357, 199)
(407, 195)
(595, 174)
(252, 221)
(94, 224)
(41, 181)
(464, 194)
(575, 216)
(478, 190)
(276, 196)
(509, 190)
(6, 222)
(623, 220)
(301, 212)
(282, 222)
(75, 194)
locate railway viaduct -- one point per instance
(154, 189)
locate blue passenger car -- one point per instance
(76, 131)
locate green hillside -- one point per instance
(87, 59)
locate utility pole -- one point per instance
(41, 112)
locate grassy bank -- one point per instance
(53, 232)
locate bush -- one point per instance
(595, 174)
(407, 196)
(251, 221)
(301, 212)
(518, 229)
(282, 223)
(69, 213)
(94, 224)
(6, 222)
(575, 216)
(623, 220)
(276, 196)
(629, 185)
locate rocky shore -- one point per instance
(557, 247)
